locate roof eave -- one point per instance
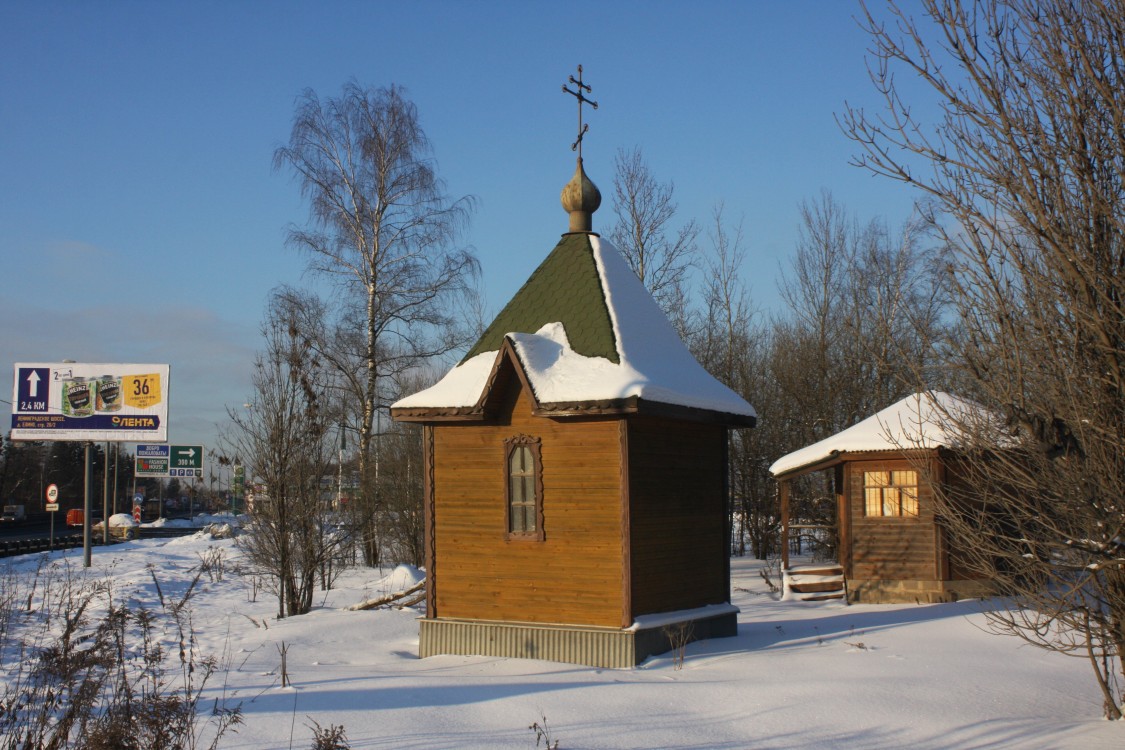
(839, 457)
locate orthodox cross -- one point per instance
(579, 95)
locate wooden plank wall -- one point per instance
(678, 524)
(574, 576)
(960, 566)
(891, 548)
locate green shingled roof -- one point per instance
(567, 289)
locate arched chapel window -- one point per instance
(524, 486)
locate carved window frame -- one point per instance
(534, 446)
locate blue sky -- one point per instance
(141, 219)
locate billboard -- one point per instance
(97, 402)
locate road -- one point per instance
(38, 526)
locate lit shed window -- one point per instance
(890, 493)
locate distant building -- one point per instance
(892, 545)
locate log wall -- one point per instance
(895, 548)
(678, 523)
(575, 575)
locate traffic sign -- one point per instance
(52, 493)
(187, 457)
(137, 513)
(169, 461)
(52, 506)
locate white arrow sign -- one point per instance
(33, 384)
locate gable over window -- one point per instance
(524, 487)
(890, 493)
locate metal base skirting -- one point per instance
(574, 644)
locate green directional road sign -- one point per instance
(186, 461)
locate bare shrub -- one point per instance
(770, 571)
(211, 563)
(283, 652)
(679, 635)
(81, 680)
(331, 737)
(543, 734)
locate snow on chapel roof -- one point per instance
(585, 334)
(921, 420)
(585, 330)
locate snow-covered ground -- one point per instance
(798, 675)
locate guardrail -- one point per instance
(12, 547)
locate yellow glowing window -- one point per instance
(890, 493)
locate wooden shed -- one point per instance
(891, 543)
(576, 500)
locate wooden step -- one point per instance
(812, 583)
(824, 569)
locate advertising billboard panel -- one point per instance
(151, 461)
(83, 401)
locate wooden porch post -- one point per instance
(783, 486)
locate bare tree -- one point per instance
(400, 486)
(659, 254)
(733, 345)
(1023, 168)
(382, 227)
(865, 311)
(283, 438)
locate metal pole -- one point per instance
(340, 472)
(105, 496)
(116, 463)
(89, 496)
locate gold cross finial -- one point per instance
(580, 96)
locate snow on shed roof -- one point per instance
(586, 337)
(921, 420)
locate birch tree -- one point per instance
(382, 229)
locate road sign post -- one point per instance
(52, 506)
